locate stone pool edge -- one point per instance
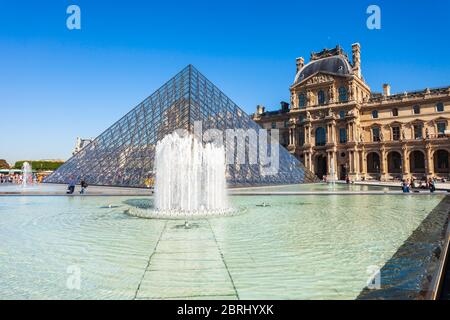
(408, 267)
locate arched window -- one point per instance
(440, 107)
(321, 97)
(394, 162)
(375, 114)
(301, 100)
(416, 109)
(441, 161)
(373, 163)
(395, 112)
(342, 94)
(321, 139)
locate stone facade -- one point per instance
(80, 144)
(338, 127)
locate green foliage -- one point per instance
(40, 165)
(4, 164)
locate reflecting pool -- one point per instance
(297, 247)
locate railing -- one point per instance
(410, 95)
(440, 136)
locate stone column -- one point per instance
(308, 134)
(310, 161)
(405, 162)
(356, 164)
(364, 163)
(383, 164)
(335, 157)
(429, 164)
(351, 131)
(333, 132)
(350, 162)
(329, 160)
(306, 159)
(328, 133)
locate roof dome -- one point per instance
(336, 65)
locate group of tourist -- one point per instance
(73, 183)
(347, 180)
(408, 185)
(16, 178)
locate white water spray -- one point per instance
(27, 174)
(332, 179)
(190, 176)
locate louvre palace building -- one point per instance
(337, 126)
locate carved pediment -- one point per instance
(319, 78)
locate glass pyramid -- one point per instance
(123, 155)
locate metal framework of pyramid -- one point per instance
(123, 155)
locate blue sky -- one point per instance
(57, 84)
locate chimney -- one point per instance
(284, 106)
(300, 63)
(259, 109)
(356, 57)
(386, 90)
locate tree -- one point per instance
(40, 165)
(4, 164)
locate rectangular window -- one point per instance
(285, 139)
(274, 125)
(418, 131)
(375, 114)
(395, 112)
(376, 134)
(342, 135)
(441, 127)
(286, 123)
(395, 133)
(301, 137)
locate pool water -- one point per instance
(300, 247)
(316, 187)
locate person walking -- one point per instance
(405, 186)
(431, 185)
(71, 188)
(84, 186)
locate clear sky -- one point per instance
(57, 84)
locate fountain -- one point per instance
(332, 179)
(27, 174)
(190, 179)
